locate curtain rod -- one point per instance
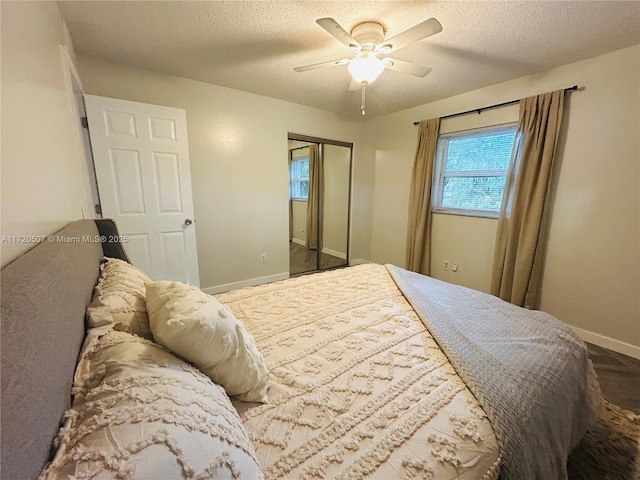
(504, 104)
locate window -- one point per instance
(299, 178)
(470, 171)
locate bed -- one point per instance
(373, 372)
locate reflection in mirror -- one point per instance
(335, 207)
(319, 193)
(302, 253)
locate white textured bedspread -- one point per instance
(530, 372)
(359, 387)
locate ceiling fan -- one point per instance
(366, 42)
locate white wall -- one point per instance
(43, 172)
(238, 149)
(592, 272)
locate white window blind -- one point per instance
(299, 179)
(471, 169)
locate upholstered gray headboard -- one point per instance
(44, 294)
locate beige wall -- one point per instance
(592, 272)
(238, 149)
(299, 216)
(43, 175)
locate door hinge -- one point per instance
(98, 208)
(84, 122)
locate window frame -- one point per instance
(440, 173)
(294, 178)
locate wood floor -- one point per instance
(618, 375)
(303, 260)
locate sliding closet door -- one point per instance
(329, 248)
(303, 257)
(335, 183)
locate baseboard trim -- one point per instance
(252, 282)
(335, 253)
(607, 342)
(358, 261)
(299, 242)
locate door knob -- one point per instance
(188, 221)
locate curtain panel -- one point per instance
(312, 201)
(290, 200)
(418, 252)
(522, 225)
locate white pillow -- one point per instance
(119, 297)
(141, 413)
(201, 330)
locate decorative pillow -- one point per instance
(200, 329)
(119, 297)
(141, 413)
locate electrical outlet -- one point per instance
(454, 267)
(263, 258)
(445, 265)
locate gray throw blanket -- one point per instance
(529, 371)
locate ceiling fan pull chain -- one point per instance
(363, 98)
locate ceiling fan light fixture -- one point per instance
(366, 40)
(366, 67)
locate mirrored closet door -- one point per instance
(319, 203)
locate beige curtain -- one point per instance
(290, 200)
(312, 202)
(522, 226)
(420, 218)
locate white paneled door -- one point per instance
(141, 157)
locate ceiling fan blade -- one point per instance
(413, 34)
(405, 67)
(342, 61)
(335, 30)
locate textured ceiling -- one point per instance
(254, 45)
